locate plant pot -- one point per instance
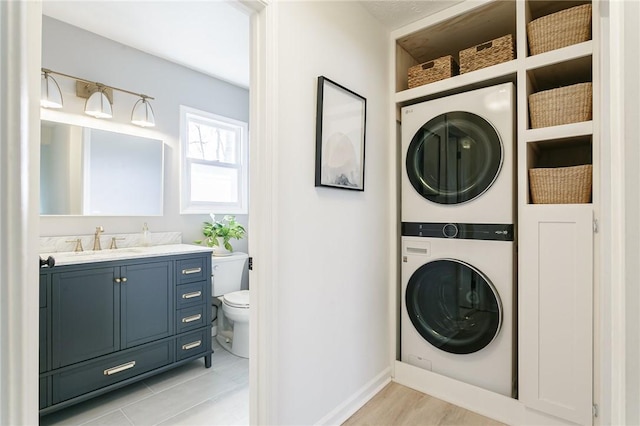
(219, 250)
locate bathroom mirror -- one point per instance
(86, 171)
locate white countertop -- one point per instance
(90, 256)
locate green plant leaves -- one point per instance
(227, 228)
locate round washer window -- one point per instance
(454, 158)
(453, 306)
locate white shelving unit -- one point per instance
(555, 242)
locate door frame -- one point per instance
(20, 63)
(263, 217)
(20, 59)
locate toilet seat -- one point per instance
(237, 299)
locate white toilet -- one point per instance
(226, 281)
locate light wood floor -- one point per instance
(397, 405)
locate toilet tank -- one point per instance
(227, 273)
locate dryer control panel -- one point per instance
(465, 231)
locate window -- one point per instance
(214, 157)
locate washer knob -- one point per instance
(450, 230)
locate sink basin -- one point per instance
(70, 257)
(127, 250)
(75, 257)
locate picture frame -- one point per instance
(340, 136)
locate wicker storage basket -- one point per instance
(569, 104)
(564, 28)
(486, 54)
(562, 185)
(428, 72)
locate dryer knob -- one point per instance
(450, 230)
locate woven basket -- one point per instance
(564, 28)
(435, 70)
(562, 185)
(569, 104)
(486, 54)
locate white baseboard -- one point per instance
(345, 410)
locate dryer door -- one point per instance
(453, 306)
(454, 158)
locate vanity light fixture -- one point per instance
(98, 104)
(142, 114)
(50, 93)
(99, 97)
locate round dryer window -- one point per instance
(454, 158)
(453, 306)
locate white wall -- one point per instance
(333, 257)
(77, 52)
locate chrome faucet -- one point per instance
(96, 241)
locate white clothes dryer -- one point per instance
(458, 154)
(457, 315)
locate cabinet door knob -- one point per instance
(117, 280)
(124, 279)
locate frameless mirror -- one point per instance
(93, 172)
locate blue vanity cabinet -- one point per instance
(106, 324)
(146, 302)
(85, 314)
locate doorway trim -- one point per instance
(20, 58)
(20, 63)
(263, 217)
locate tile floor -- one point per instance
(187, 395)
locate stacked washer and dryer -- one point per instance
(458, 254)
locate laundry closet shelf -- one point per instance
(565, 131)
(489, 76)
(557, 56)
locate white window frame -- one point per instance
(187, 206)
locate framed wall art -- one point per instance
(340, 136)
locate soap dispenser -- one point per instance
(146, 241)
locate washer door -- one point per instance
(453, 306)
(454, 158)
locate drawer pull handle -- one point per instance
(191, 271)
(192, 318)
(191, 345)
(119, 368)
(192, 295)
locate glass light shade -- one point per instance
(142, 114)
(50, 93)
(98, 105)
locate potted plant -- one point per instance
(219, 232)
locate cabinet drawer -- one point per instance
(110, 370)
(192, 344)
(192, 270)
(191, 294)
(191, 318)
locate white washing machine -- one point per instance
(458, 304)
(458, 155)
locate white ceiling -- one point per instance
(209, 36)
(398, 13)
